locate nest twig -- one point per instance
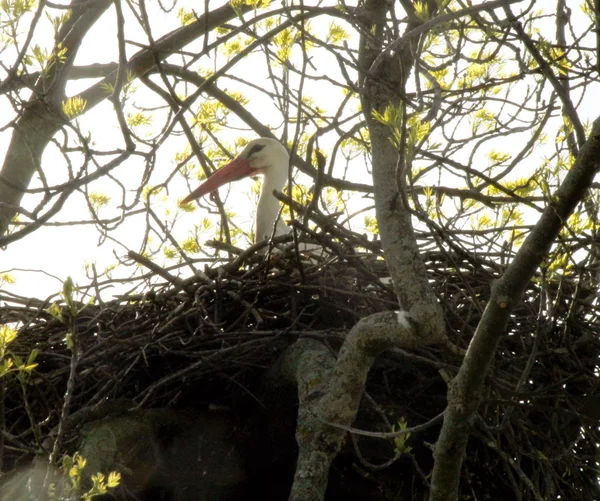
(209, 337)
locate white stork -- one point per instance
(264, 156)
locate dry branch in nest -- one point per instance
(211, 339)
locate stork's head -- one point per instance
(261, 156)
(265, 153)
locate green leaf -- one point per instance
(185, 16)
(114, 479)
(400, 441)
(98, 200)
(74, 106)
(6, 366)
(55, 311)
(139, 118)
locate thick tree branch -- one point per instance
(382, 90)
(465, 390)
(42, 119)
(331, 393)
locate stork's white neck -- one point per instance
(268, 206)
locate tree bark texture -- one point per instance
(383, 87)
(465, 390)
(42, 116)
(329, 392)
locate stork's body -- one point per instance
(264, 156)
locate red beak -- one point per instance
(234, 170)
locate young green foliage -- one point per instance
(73, 468)
(10, 362)
(72, 107)
(98, 200)
(400, 441)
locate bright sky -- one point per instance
(42, 260)
(63, 250)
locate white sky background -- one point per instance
(62, 251)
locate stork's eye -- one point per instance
(255, 149)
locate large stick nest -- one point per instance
(190, 343)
